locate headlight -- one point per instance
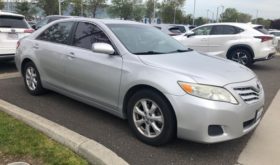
(208, 92)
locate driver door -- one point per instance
(92, 76)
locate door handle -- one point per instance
(71, 55)
(203, 39)
(36, 46)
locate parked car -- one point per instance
(172, 29)
(49, 19)
(243, 43)
(12, 28)
(276, 33)
(136, 72)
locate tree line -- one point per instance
(169, 11)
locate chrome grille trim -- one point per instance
(249, 94)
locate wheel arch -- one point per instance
(140, 87)
(23, 63)
(243, 46)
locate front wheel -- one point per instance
(32, 79)
(241, 56)
(151, 118)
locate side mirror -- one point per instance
(189, 34)
(103, 48)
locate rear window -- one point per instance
(261, 29)
(13, 22)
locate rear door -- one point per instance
(12, 28)
(51, 48)
(221, 37)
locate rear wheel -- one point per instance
(32, 79)
(241, 56)
(151, 118)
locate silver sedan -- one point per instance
(138, 73)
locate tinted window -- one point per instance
(87, 34)
(261, 29)
(58, 33)
(225, 30)
(13, 22)
(275, 33)
(205, 30)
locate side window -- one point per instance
(87, 34)
(205, 30)
(225, 30)
(58, 33)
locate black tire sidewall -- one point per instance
(169, 130)
(39, 90)
(248, 54)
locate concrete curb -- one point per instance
(94, 152)
(264, 146)
(9, 75)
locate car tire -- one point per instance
(157, 126)
(32, 79)
(242, 56)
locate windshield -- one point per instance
(13, 22)
(142, 39)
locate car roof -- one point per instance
(104, 21)
(241, 25)
(60, 16)
(10, 14)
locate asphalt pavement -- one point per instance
(114, 133)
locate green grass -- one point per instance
(19, 140)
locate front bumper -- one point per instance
(196, 115)
(7, 56)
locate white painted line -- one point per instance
(94, 152)
(264, 146)
(9, 75)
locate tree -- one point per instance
(77, 8)
(96, 4)
(265, 22)
(244, 18)
(150, 8)
(138, 12)
(23, 8)
(171, 11)
(232, 15)
(50, 7)
(1, 4)
(275, 24)
(121, 9)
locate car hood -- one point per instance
(201, 68)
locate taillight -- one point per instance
(28, 31)
(18, 44)
(264, 38)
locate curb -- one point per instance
(263, 147)
(91, 150)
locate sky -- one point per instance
(266, 8)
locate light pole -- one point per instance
(59, 6)
(82, 8)
(194, 7)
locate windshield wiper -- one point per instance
(148, 53)
(182, 50)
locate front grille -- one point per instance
(249, 94)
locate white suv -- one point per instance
(243, 43)
(12, 28)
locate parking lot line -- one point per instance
(264, 145)
(9, 75)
